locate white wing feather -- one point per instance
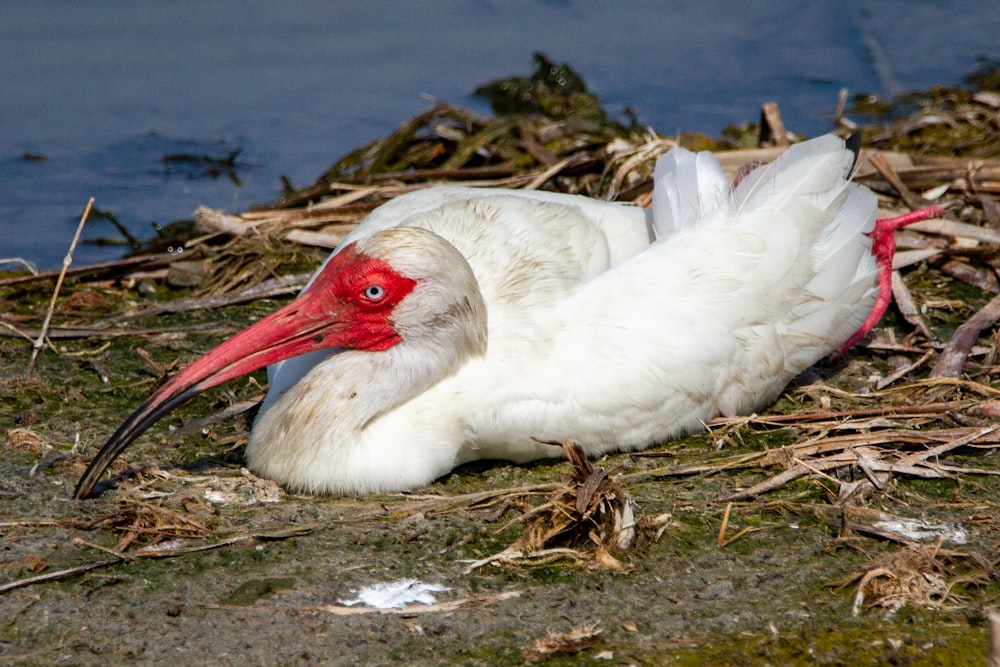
(745, 292)
(597, 332)
(687, 187)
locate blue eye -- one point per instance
(374, 292)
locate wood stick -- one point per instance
(772, 127)
(907, 306)
(118, 265)
(892, 377)
(725, 524)
(927, 409)
(993, 618)
(912, 200)
(920, 456)
(75, 333)
(952, 359)
(58, 574)
(970, 275)
(37, 347)
(944, 227)
(266, 290)
(156, 551)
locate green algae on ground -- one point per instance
(904, 643)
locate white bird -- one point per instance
(456, 324)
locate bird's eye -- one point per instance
(374, 292)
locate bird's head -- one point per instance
(393, 286)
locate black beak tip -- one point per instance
(140, 420)
(87, 487)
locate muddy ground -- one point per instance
(271, 593)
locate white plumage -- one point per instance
(544, 316)
(594, 332)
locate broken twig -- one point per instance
(55, 292)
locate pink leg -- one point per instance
(884, 248)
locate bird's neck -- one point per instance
(320, 436)
(330, 432)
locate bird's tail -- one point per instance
(687, 188)
(798, 227)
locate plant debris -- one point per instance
(591, 510)
(563, 643)
(861, 452)
(914, 576)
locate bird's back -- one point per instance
(743, 290)
(601, 333)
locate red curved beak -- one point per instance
(311, 322)
(329, 313)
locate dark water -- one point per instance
(103, 90)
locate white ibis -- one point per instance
(457, 324)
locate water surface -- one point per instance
(97, 93)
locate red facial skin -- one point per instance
(349, 305)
